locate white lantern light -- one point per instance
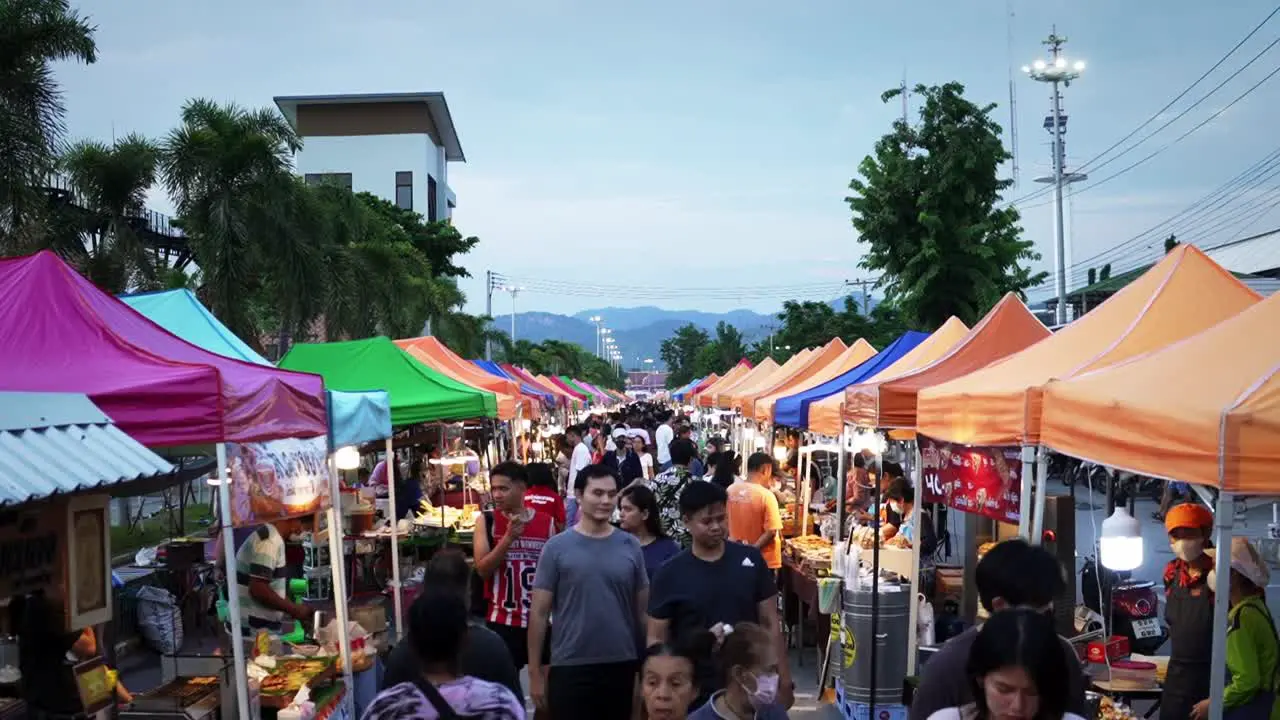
(347, 458)
(1120, 541)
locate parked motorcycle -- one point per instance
(1132, 606)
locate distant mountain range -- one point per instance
(638, 331)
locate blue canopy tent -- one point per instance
(679, 394)
(525, 388)
(793, 410)
(354, 417)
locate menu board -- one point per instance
(277, 479)
(981, 480)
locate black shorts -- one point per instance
(592, 692)
(517, 642)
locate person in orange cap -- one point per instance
(1188, 610)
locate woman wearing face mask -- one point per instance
(1253, 650)
(1188, 610)
(1016, 670)
(666, 683)
(749, 662)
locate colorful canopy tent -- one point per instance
(363, 416)
(707, 381)
(1204, 410)
(683, 390)
(720, 395)
(1183, 294)
(418, 393)
(704, 396)
(740, 397)
(804, 409)
(59, 333)
(595, 392)
(745, 401)
(560, 397)
(891, 403)
(527, 389)
(181, 313)
(853, 356)
(577, 394)
(433, 353)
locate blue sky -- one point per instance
(704, 143)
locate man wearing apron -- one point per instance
(1253, 650)
(1188, 610)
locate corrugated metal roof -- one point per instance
(1252, 255)
(59, 443)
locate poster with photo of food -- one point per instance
(277, 479)
(982, 480)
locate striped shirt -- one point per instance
(262, 559)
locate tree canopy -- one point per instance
(925, 206)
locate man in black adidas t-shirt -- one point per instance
(712, 583)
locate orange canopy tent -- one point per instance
(821, 359)
(1183, 294)
(743, 397)
(825, 415)
(759, 373)
(891, 403)
(707, 397)
(432, 353)
(1204, 410)
(853, 356)
(732, 399)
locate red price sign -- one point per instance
(982, 480)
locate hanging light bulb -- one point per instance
(1120, 541)
(347, 458)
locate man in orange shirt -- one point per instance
(754, 517)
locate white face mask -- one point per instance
(895, 507)
(1189, 549)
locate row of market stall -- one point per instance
(1177, 376)
(176, 383)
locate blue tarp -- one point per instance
(494, 369)
(354, 417)
(793, 410)
(358, 417)
(179, 312)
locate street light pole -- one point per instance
(1057, 72)
(514, 292)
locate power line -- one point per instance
(1156, 115)
(824, 290)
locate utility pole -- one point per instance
(488, 311)
(1057, 71)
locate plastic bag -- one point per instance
(159, 619)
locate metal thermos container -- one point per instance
(888, 632)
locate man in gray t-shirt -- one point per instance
(591, 582)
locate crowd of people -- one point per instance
(655, 595)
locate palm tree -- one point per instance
(34, 34)
(468, 335)
(228, 170)
(112, 181)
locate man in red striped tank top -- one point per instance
(508, 543)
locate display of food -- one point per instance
(811, 553)
(865, 536)
(1109, 709)
(291, 674)
(446, 516)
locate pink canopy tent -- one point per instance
(59, 333)
(561, 384)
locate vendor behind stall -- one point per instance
(1188, 610)
(262, 579)
(1253, 650)
(48, 654)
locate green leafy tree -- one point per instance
(227, 170)
(924, 204)
(439, 241)
(34, 34)
(112, 181)
(680, 353)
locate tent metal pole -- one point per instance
(1026, 490)
(1223, 519)
(337, 563)
(396, 598)
(233, 598)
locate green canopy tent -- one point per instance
(418, 393)
(573, 385)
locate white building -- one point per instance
(397, 146)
